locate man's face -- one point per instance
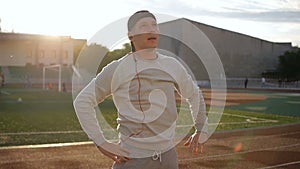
(144, 34)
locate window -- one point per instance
(66, 55)
(29, 53)
(54, 54)
(29, 57)
(42, 54)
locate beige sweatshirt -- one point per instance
(143, 93)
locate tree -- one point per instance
(114, 55)
(289, 65)
(90, 57)
(91, 54)
(78, 46)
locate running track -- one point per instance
(271, 147)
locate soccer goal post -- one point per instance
(59, 75)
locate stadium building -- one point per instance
(28, 49)
(23, 57)
(242, 56)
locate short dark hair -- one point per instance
(133, 19)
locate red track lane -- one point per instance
(270, 147)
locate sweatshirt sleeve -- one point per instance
(198, 110)
(86, 101)
(192, 93)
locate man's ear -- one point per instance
(130, 36)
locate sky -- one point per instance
(271, 20)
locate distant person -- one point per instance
(50, 86)
(28, 83)
(279, 82)
(0, 81)
(64, 89)
(145, 133)
(246, 83)
(263, 82)
(2, 78)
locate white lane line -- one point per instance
(238, 153)
(41, 132)
(281, 165)
(249, 119)
(46, 145)
(268, 136)
(48, 132)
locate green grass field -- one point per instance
(48, 117)
(280, 103)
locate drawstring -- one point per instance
(157, 155)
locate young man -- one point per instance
(142, 84)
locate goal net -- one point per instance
(55, 68)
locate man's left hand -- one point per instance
(193, 142)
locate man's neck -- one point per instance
(147, 53)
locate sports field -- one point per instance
(34, 117)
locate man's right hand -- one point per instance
(114, 151)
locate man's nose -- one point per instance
(152, 29)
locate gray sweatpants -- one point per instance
(167, 160)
